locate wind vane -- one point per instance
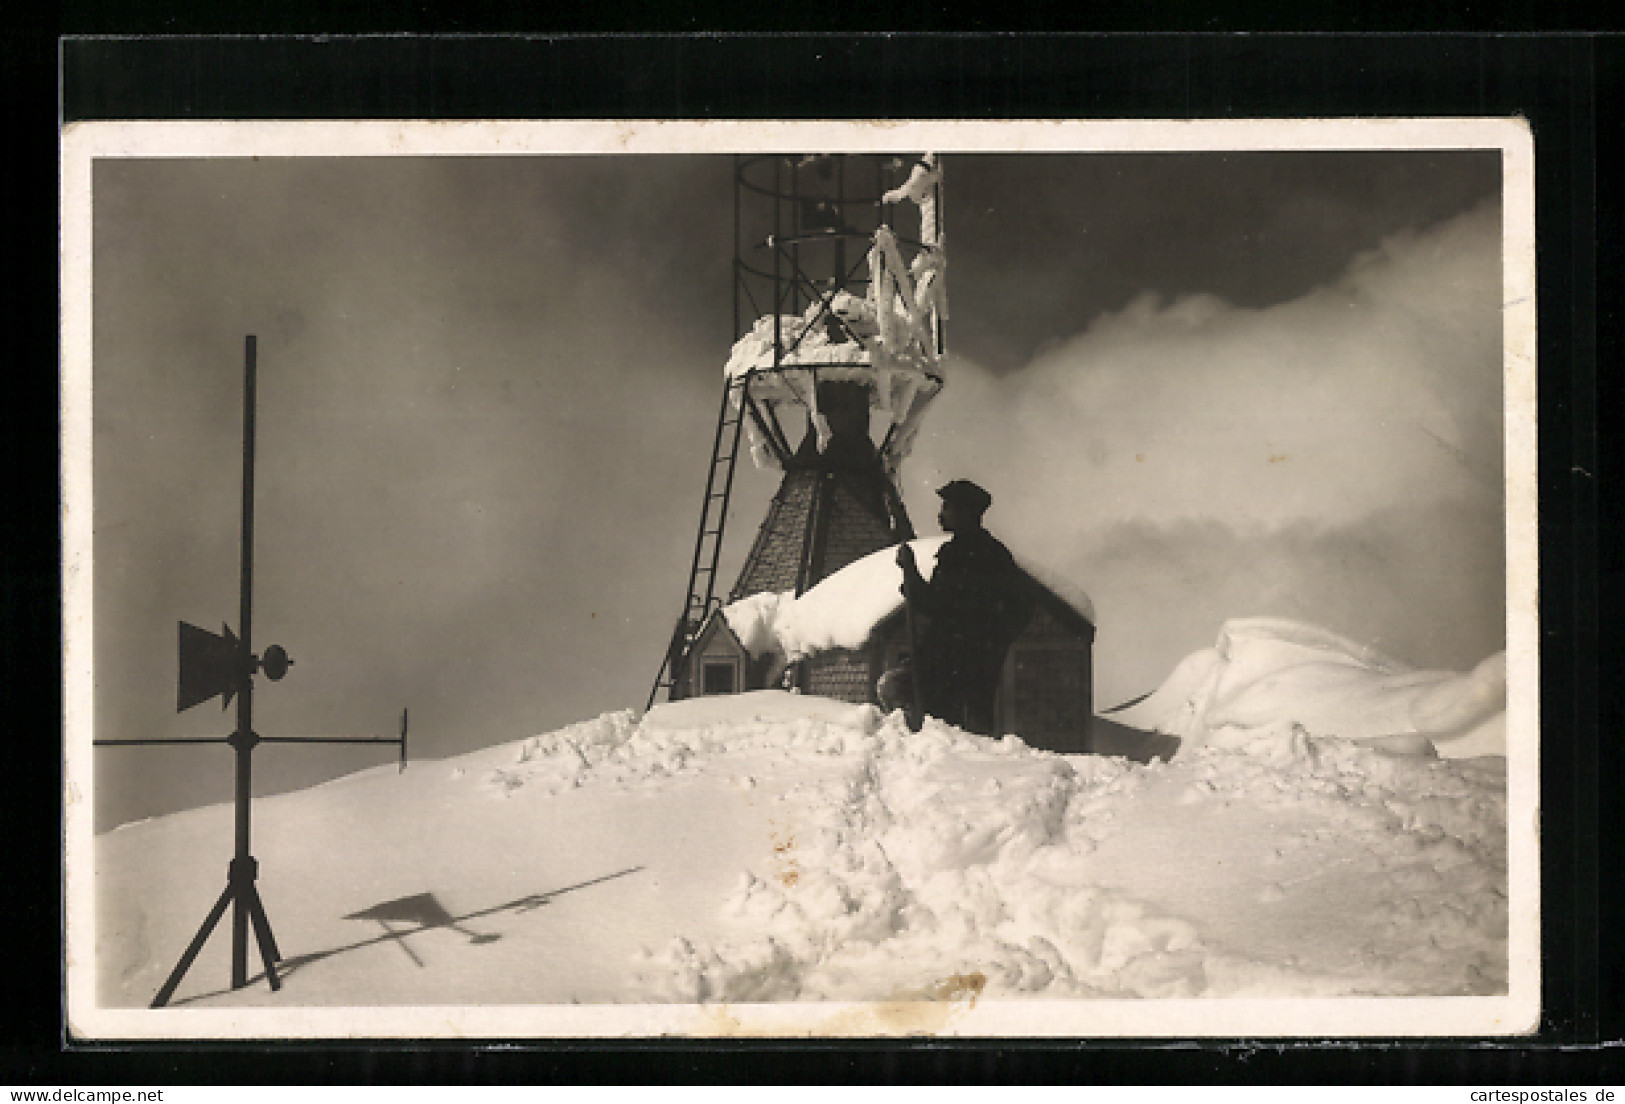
(225, 666)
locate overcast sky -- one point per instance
(1199, 386)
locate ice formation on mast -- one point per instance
(890, 338)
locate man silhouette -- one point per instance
(966, 616)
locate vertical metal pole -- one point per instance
(241, 875)
(739, 178)
(883, 214)
(778, 290)
(840, 229)
(246, 610)
(796, 230)
(937, 207)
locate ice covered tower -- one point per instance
(839, 305)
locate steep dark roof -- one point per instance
(715, 625)
(830, 510)
(1064, 611)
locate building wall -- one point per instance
(714, 647)
(1046, 694)
(841, 674)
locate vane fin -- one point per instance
(210, 665)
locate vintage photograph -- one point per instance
(604, 579)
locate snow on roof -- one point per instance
(806, 343)
(843, 610)
(839, 612)
(752, 619)
(803, 344)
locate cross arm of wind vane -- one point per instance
(330, 739)
(398, 741)
(163, 740)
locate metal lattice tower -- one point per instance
(839, 304)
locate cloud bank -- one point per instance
(1336, 458)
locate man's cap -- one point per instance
(962, 492)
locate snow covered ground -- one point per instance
(724, 863)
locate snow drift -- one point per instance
(1269, 677)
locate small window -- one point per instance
(717, 678)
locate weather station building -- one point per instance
(839, 309)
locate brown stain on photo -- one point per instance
(928, 1010)
(784, 861)
(719, 1021)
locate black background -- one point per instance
(1569, 87)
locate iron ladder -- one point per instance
(702, 571)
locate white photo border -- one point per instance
(1515, 1013)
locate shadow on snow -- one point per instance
(414, 913)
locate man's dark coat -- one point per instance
(968, 613)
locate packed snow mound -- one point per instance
(1017, 872)
(758, 707)
(1267, 677)
(773, 847)
(843, 610)
(1290, 866)
(944, 859)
